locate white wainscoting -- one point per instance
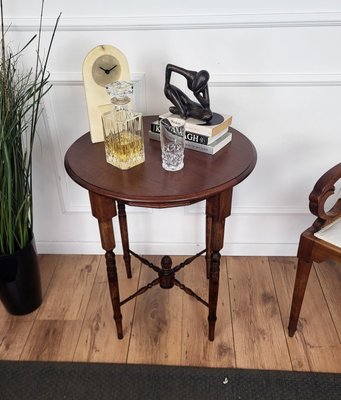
(278, 72)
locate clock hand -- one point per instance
(112, 68)
(107, 71)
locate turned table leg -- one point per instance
(104, 209)
(122, 217)
(208, 244)
(217, 209)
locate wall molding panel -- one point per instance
(69, 205)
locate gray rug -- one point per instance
(82, 381)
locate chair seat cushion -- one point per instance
(331, 233)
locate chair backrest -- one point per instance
(323, 189)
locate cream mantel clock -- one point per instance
(103, 64)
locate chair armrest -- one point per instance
(323, 189)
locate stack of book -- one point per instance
(206, 138)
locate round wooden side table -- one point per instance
(204, 177)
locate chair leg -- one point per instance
(302, 275)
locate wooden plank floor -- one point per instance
(75, 321)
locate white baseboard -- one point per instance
(235, 249)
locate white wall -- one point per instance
(275, 67)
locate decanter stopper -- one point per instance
(120, 92)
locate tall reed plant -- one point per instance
(21, 94)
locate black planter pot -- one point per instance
(20, 287)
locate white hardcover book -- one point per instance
(192, 137)
(211, 148)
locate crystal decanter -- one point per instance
(123, 132)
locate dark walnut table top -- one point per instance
(148, 184)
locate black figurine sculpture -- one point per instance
(183, 105)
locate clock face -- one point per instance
(106, 69)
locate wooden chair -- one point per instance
(320, 242)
